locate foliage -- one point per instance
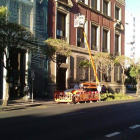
(129, 78)
(58, 46)
(122, 60)
(104, 62)
(85, 64)
(135, 71)
(13, 37)
(115, 96)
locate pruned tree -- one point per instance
(103, 61)
(13, 37)
(123, 61)
(86, 65)
(57, 50)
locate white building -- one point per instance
(130, 36)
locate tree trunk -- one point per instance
(123, 77)
(5, 101)
(137, 93)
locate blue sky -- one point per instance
(132, 6)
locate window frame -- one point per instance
(120, 12)
(119, 43)
(108, 7)
(108, 39)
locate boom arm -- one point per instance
(91, 58)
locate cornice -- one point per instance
(81, 3)
(65, 4)
(122, 2)
(82, 50)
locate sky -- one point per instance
(133, 7)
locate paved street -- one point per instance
(100, 120)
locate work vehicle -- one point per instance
(87, 92)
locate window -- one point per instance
(105, 7)
(94, 38)
(105, 33)
(61, 25)
(116, 44)
(117, 12)
(94, 4)
(82, 73)
(80, 38)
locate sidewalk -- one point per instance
(21, 104)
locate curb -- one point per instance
(17, 107)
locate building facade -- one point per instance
(104, 28)
(33, 15)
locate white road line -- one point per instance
(73, 114)
(135, 126)
(112, 134)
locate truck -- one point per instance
(88, 92)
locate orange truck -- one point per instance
(87, 92)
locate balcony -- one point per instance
(104, 50)
(61, 37)
(93, 48)
(65, 1)
(81, 44)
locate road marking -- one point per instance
(73, 114)
(135, 126)
(112, 134)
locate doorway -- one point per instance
(61, 79)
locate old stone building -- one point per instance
(104, 28)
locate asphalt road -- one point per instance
(116, 120)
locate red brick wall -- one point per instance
(90, 16)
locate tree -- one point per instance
(57, 50)
(13, 37)
(103, 61)
(86, 65)
(124, 61)
(135, 73)
(129, 78)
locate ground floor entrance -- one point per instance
(61, 79)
